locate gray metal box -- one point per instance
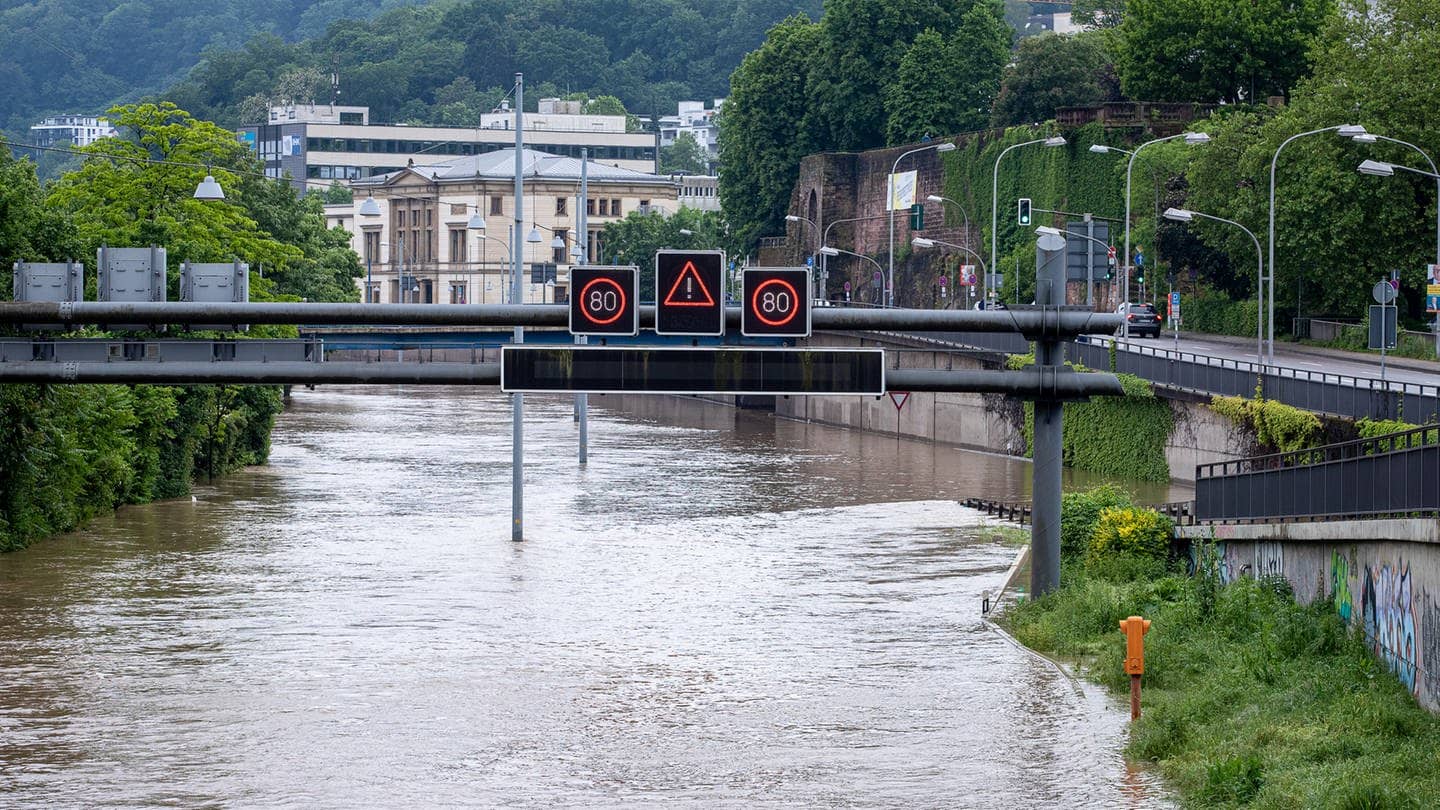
(130, 274)
(49, 281)
(215, 283)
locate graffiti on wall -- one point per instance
(1430, 648)
(1269, 560)
(1388, 618)
(1340, 585)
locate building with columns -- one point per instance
(417, 225)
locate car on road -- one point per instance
(1142, 317)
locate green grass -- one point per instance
(1249, 699)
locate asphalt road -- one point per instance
(1301, 358)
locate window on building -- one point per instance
(561, 254)
(604, 207)
(496, 204)
(560, 206)
(428, 254)
(590, 206)
(458, 241)
(372, 246)
(457, 293)
(644, 203)
(614, 208)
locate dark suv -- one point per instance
(1143, 318)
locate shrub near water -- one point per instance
(1249, 699)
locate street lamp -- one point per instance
(209, 190)
(1376, 168)
(925, 243)
(1051, 142)
(936, 198)
(477, 224)
(826, 250)
(1345, 131)
(945, 146)
(1185, 215)
(1192, 138)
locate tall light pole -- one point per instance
(1345, 131)
(517, 414)
(477, 224)
(1379, 169)
(1185, 215)
(944, 146)
(1192, 138)
(816, 228)
(1052, 141)
(1369, 138)
(825, 240)
(936, 198)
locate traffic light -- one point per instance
(917, 217)
(1139, 274)
(1024, 204)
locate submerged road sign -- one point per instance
(718, 370)
(689, 287)
(775, 302)
(603, 301)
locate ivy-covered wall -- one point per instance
(69, 453)
(1120, 436)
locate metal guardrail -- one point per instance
(1393, 475)
(1018, 512)
(1318, 391)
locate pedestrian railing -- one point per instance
(1395, 475)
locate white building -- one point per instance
(699, 122)
(318, 144)
(698, 191)
(421, 230)
(77, 130)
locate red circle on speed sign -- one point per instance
(792, 308)
(591, 314)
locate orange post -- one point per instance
(1134, 629)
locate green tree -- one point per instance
(1051, 71)
(1336, 231)
(980, 48)
(121, 197)
(1216, 50)
(923, 99)
(761, 129)
(634, 240)
(859, 51)
(684, 156)
(1098, 13)
(28, 230)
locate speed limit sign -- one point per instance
(775, 302)
(602, 301)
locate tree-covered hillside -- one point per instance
(84, 55)
(448, 61)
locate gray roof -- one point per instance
(500, 165)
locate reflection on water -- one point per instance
(769, 614)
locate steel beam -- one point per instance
(1053, 321)
(1027, 383)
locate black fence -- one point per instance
(1393, 475)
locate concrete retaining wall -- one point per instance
(1382, 576)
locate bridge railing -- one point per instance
(1393, 475)
(1319, 391)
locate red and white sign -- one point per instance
(899, 398)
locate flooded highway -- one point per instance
(721, 610)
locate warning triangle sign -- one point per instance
(689, 290)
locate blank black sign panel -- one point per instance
(604, 370)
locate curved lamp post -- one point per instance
(923, 242)
(1377, 168)
(826, 250)
(944, 146)
(1185, 215)
(1052, 141)
(1192, 138)
(1345, 131)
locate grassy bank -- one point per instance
(1249, 699)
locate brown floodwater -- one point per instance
(720, 610)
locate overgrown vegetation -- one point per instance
(1278, 427)
(1118, 436)
(1248, 697)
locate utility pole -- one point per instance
(517, 416)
